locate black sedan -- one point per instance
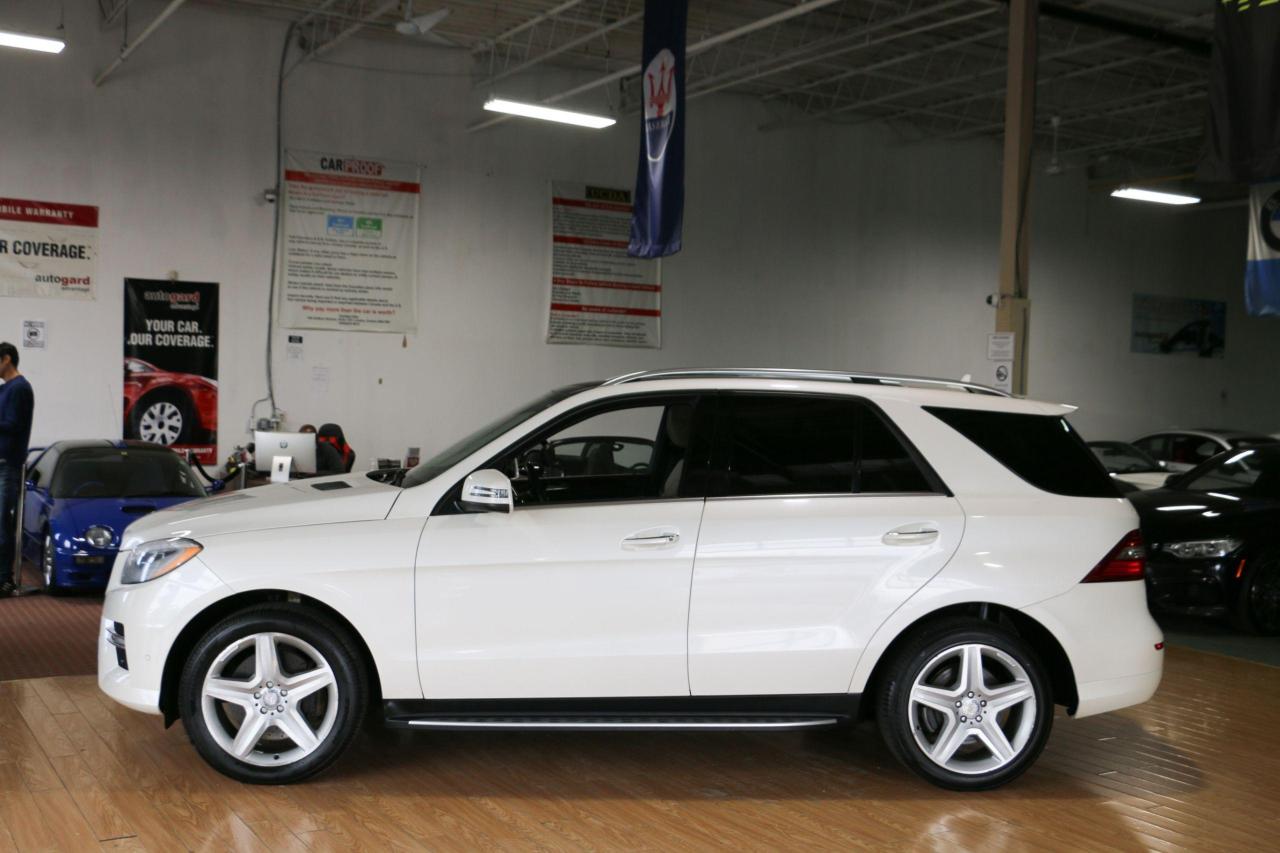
(1213, 539)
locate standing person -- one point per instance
(17, 403)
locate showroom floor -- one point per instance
(80, 772)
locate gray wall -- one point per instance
(817, 246)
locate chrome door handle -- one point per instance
(910, 535)
(657, 540)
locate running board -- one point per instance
(612, 723)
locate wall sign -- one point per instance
(349, 244)
(1262, 268)
(48, 249)
(34, 334)
(600, 294)
(171, 364)
(1165, 325)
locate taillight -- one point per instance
(1126, 562)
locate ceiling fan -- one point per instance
(421, 26)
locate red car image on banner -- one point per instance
(171, 365)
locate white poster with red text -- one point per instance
(48, 249)
(349, 244)
(599, 293)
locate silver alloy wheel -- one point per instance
(272, 717)
(972, 709)
(161, 422)
(47, 558)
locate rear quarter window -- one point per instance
(1041, 449)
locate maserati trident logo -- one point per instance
(659, 102)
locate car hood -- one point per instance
(1144, 479)
(116, 513)
(1173, 515)
(325, 500)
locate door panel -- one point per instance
(589, 600)
(788, 590)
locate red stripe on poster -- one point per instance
(608, 285)
(590, 241)
(594, 205)
(351, 182)
(605, 309)
(51, 212)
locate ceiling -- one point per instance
(1122, 84)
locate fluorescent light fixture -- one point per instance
(515, 108)
(1135, 194)
(44, 45)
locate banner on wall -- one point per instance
(1262, 269)
(348, 244)
(1165, 325)
(171, 364)
(48, 249)
(599, 293)
(658, 221)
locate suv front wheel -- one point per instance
(272, 695)
(966, 705)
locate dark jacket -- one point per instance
(17, 404)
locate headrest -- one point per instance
(679, 424)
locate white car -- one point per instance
(1183, 449)
(1128, 464)
(718, 549)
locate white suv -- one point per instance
(699, 549)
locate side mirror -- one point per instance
(488, 490)
(1170, 481)
(33, 477)
(215, 487)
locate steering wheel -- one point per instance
(85, 485)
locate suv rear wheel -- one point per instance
(273, 695)
(966, 705)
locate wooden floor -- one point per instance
(1198, 768)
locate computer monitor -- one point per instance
(300, 445)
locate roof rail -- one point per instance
(805, 375)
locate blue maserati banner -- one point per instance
(658, 216)
(1262, 269)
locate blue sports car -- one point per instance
(81, 495)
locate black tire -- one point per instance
(1257, 606)
(51, 586)
(327, 638)
(178, 400)
(901, 721)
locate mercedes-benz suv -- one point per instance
(697, 549)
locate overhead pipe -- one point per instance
(143, 36)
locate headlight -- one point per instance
(99, 536)
(150, 560)
(1202, 548)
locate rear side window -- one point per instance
(780, 444)
(1042, 449)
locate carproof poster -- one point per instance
(48, 249)
(171, 364)
(1174, 325)
(349, 244)
(600, 294)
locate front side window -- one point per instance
(1155, 445)
(639, 450)
(1192, 449)
(780, 444)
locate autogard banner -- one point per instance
(171, 364)
(599, 294)
(349, 244)
(1262, 269)
(657, 223)
(48, 249)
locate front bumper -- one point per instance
(140, 623)
(1191, 587)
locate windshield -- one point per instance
(456, 452)
(1120, 458)
(1242, 474)
(111, 472)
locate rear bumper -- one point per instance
(1111, 641)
